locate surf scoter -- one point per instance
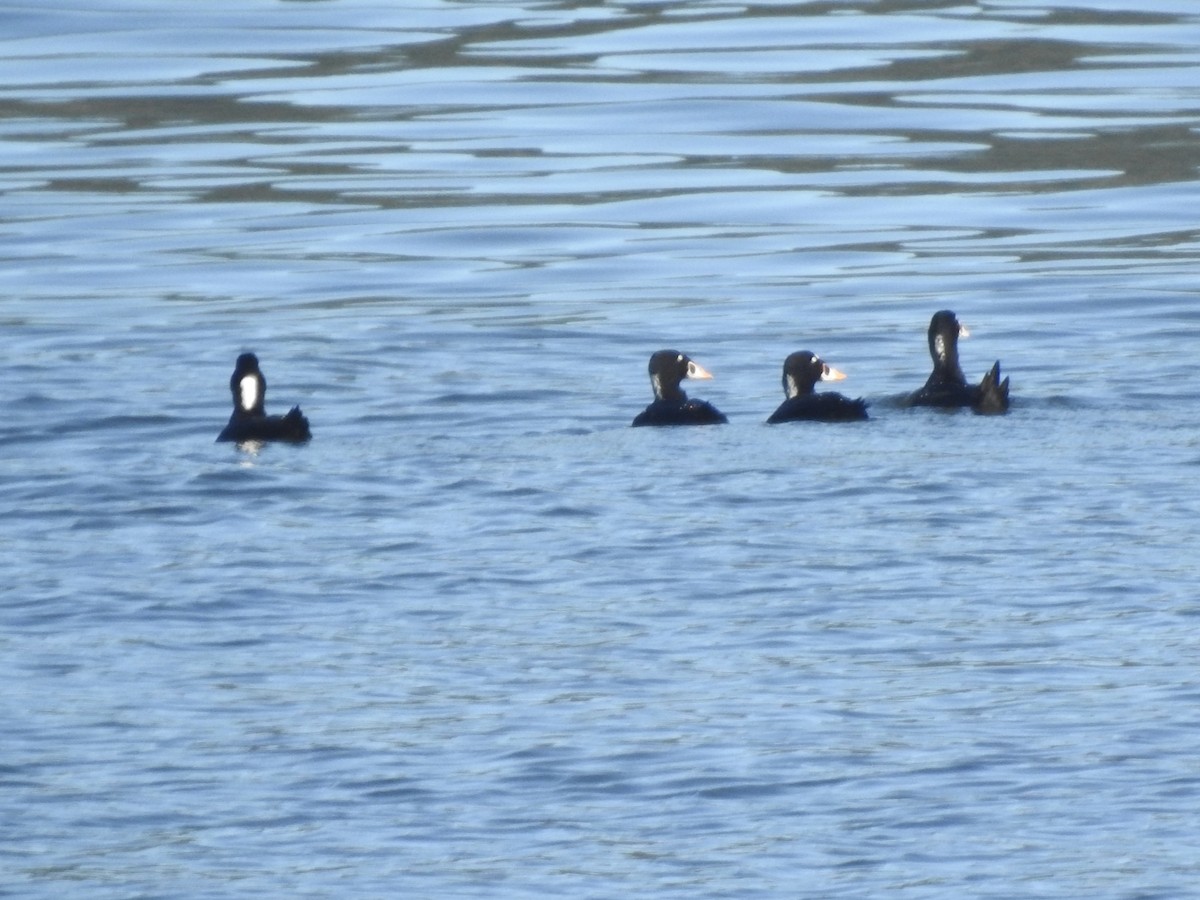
(249, 421)
(801, 371)
(671, 405)
(946, 386)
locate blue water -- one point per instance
(482, 639)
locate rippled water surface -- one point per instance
(479, 638)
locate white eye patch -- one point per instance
(248, 392)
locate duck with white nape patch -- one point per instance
(249, 421)
(801, 372)
(946, 386)
(671, 405)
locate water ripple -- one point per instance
(481, 638)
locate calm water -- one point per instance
(480, 638)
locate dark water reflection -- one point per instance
(480, 638)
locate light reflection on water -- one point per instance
(480, 637)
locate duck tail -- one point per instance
(297, 425)
(993, 393)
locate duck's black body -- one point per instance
(690, 412)
(946, 386)
(671, 405)
(801, 372)
(249, 421)
(291, 428)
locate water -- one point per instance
(480, 638)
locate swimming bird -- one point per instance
(671, 405)
(250, 421)
(801, 371)
(946, 386)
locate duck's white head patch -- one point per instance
(248, 392)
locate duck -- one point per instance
(801, 371)
(947, 387)
(671, 405)
(249, 421)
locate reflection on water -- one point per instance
(460, 155)
(480, 638)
